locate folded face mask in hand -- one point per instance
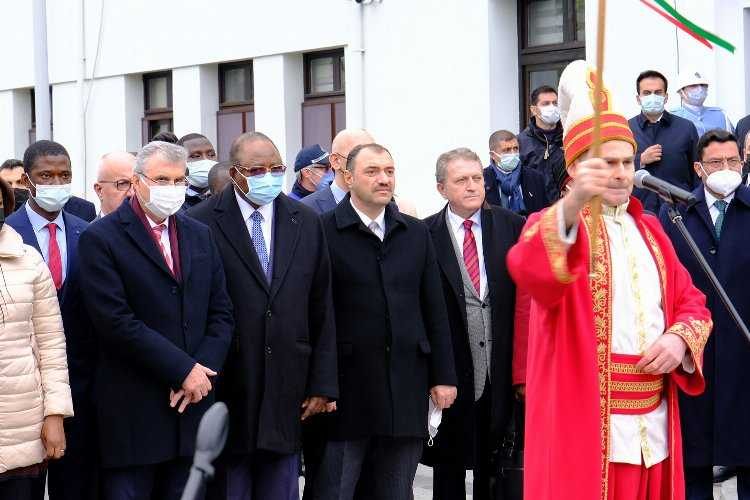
(434, 417)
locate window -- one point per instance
(157, 103)
(324, 109)
(236, 113)
(552, 33)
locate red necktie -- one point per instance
(471, 259)
(54, 261)
(158, 230)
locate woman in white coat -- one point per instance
(34, 389)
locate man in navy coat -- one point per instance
(666, 142)
(153, 283)
(47, 176)
(714, 424)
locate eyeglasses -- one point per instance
(718, 163)
(121, 185)
(260, 170)
(163, 182)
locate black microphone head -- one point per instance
(213, 431)
(639, 176)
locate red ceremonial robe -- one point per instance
(567, 392)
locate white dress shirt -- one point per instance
(39, 224)
(637, 322)
(266, 224)
(711, 199)
(457, 226)
(338, 193)
(376, 225)
(164, 237)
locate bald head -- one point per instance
(117, 162)
(348, 139)
(342, 145)
(113, 179)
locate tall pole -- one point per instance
(41, 76)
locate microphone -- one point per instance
(668, 192)
(212, 436)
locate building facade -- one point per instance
(423, 76)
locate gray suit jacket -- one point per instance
(321, 201)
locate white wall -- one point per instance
(195, 99)
(427, 86)
(436, 74)
(647, 41)
(15, 122)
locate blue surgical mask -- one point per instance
(263, 189)
(696, 96)
(509, 162)
(652, 104)
(326, 180)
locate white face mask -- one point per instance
(51, 198)
(164, 200)
(723, 182)
(550, 114)
(198, 172)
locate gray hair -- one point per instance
(454, 154)
(169, 152)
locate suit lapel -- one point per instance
(72, 233)
(26, 230)
(286, 237)
(234, 229)
(328, 203)
(446, 255)
(137, 232)
(701, 208)
(491, 244)
(184, 238)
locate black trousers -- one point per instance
(23, 488)
(449, 480)
(699, 483)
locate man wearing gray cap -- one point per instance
(310, 166)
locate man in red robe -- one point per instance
(616, 326)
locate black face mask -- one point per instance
(21, 196)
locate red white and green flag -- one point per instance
(673, 16)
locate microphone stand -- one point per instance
(676, 219)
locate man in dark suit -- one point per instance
(153, 283)
(392, 334)
(666, 142)
(201, 157)
(282, 368)
(326, 199)
(714, 424)
(44, 224)
(509, 183)
(83, 209)
(471, 240)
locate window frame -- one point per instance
(146, 96)
(249, 77)
(537, 57)
(155, 114)
(338, 85)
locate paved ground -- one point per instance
(423, 486)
